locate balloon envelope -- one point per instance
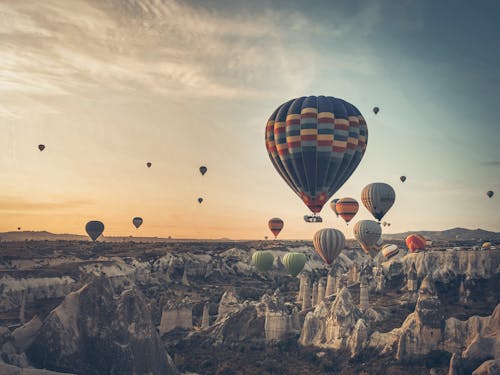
(263, 260)
(402, 178)
(347, 208)
(378, 198)
(486, 246)
(368, 233)
(137, 221)
(94, 229)
(415, 242)
(41, 147)
(388, 251)
(203, 170)
(315, 144)
(328, 243)
(294, 263)
(200, 200)
(275, 225)
(376, 109)
(149, 164)
(333, 204)
(490, 194)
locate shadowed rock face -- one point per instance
(95, 331)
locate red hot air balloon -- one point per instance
(275, 225)
(316, 143)
(415, 242)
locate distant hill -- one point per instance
(460, 234)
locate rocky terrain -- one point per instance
(201, 307)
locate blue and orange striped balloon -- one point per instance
(315, 143)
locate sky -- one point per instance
(110, 85)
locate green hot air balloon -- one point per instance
(263, 260)
(137, 221)
(94, 229)
(328, 243)
(294, 263)
(368, 233)
(378, 198)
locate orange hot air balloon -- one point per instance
(275, 225)
(347, 208)
(415, 242)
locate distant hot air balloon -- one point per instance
(263, 260)
(333, 203)
(137, 221)
(415, 242)
(347, 208)
(41, 147)
(94, 229)
(384, 223)
(402, 178)
(388, 224)
(376, 109)
(149, 164)
(367, 232)
(388, 251)
(486, 246)
(490, 194)
(328, 243)
(18, 228)
(294, 263)
(378, 198)
(200, 200)
(203, 170)
(315, 144)
(265, 237)
(275, 225)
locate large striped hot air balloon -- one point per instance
(333, 203)
(415, 242)
(275, 225)
(368, 233)
(388, 251)
(315, 143)
(263, 260)
(137, 221)
(294, 263)
(347, 208)
(378, 198)
(328, 243)
(94, 229)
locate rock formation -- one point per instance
(176, 315)
(228, 303)
(205, 320)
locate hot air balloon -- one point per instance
(367, 232)
(94, 229)
(294, 263)
(18, 228)
(402, 178)
(415, 242)
(388, 224)
(376, 109)
(275, 225)
(265, 237)
(388, 251)
(490, 194)
(200, 200)
(315, 144)
(384, 223)
(332, 206)
(263, 260)
(137, 221)
(378, 198)
(41, 147)
(486, 246)
(203, 170)
(149, 164)
(328, 243)
(347, 208)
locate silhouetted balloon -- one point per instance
(315, 144)
(203, 170)
(41, 147)
(263, 260)
(328, 243)
(384, 223)
(378, 198)
(294, 263)
(18, 228)
(332, 206)
(415, 242)
(347, 208)
(200, 200)
(137, 221)
(149, 164)
(388, 251)
(275, 225)
(402, 178)
(367, 232)
(94, 229)
(490, 194)
(265, 237)
(376, 109)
